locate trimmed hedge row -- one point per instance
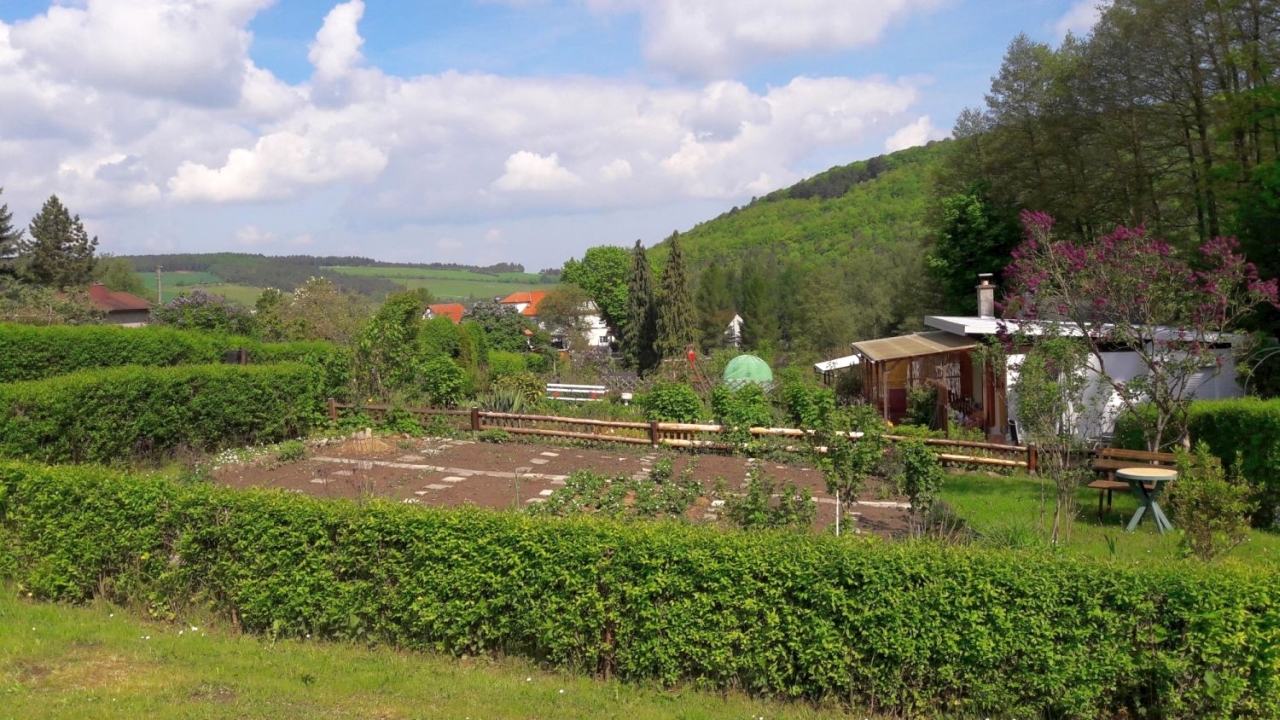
(905, 628)
(35, 353)
(1248, 426)
(114, 414)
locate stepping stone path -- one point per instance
(409, 458)
(550, 454)
(453, 479)
(346, 473)
(439, 487)
(545, 493)
(320, 481)
(539, 461)
(536, 500)
(525, 469)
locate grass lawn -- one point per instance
(103, 662)
(1009, 509)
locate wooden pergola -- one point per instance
(891, 367)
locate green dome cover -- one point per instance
(747, 368)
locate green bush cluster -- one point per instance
(1247, 427)
(116, 414)
(672, 402)
(905, 628)
(36, 353)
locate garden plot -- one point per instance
(444, 472)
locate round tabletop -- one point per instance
(1147, 474)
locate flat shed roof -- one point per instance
(915, 345)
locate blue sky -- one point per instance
(505, 130)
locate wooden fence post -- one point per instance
(475, 419)
(333, 410)
(1033, 458)
(653, 433)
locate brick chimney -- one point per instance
(986, 296)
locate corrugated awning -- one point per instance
(916, 345)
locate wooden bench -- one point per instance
(576, 393)
(1109, 460)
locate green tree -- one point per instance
(59, 252)
(10, 238)
(677, 330)
(603, 273)
(974, 237)
(562, 311)
(640, 334)
(118, 274)
(759, 312)
(715, 307)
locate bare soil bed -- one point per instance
(449, 473)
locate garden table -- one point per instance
(1138, 479)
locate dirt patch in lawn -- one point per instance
(451, 473)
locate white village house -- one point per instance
(893, 366)
(597, 333)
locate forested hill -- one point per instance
(875, 201)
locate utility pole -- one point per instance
(159, 286)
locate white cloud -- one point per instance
(378, 150)
(1080, 17)
(337, 45)
(917, 133)
(494, 237)
(615, 171)
(531, 171)
(711, 38)
(250, 235)
(276, 166)
(192, 51)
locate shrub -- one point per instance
(502, 364)
(922, 475)
(443, 382)
(673, 402)
(922, 405)
(494, 435)
(770, 505)
(36, 353)
(198, 310)
(114, 414)
(1244, 427)
(1212, 507)
(913, 629)
(808, 406)
(291, 451)
(528, 386)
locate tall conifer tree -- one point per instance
(10, 238)
(677, 318)
(715, 306)
(59, 252)
(641, 330)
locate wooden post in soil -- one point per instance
(333, 410)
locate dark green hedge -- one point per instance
(35, 353)
(906, 628)
(1249, 426)
(115, 414)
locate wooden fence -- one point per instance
(682, 435)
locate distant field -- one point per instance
(463, 289)
(178, 279)
(240, 294)
(404, 273)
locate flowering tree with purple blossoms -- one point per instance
(198, 310)
(1130, 292)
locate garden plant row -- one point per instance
(899, 627)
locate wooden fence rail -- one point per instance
(687, 435)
